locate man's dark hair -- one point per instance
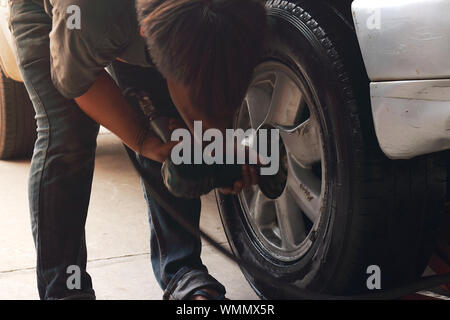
(209, 46)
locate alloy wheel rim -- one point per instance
(285, 227)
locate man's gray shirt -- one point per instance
(109, 29)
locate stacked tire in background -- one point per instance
(17, 123)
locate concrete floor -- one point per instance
(117, 234)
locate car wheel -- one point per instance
(342, 206)
(17, 123)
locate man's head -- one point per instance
(208, 48)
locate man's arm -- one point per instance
(105, 104)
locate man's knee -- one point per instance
(71, 135)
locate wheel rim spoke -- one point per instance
(287, 102)
(258, 103)
(304, 143)
(262, 213)
(290, 222)
(305, 188)
(276, 100)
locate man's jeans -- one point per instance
(61, 178)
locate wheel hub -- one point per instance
(273, 186)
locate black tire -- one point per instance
(17, 123)
(377, 211)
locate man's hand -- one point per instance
(249, 178)
(152, 146)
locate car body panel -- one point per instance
(8, 61)
(404, 39)
(411, 117)
(405, 46)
